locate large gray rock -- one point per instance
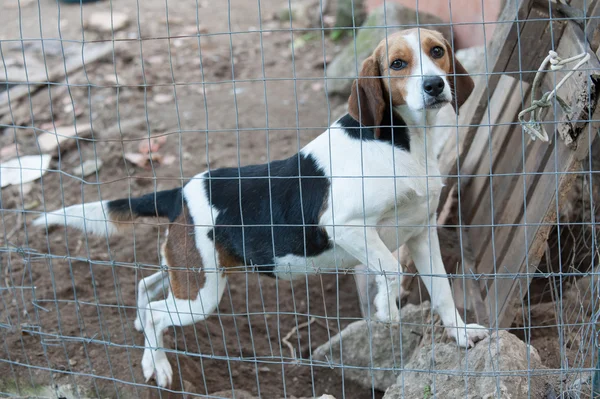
(348, 61)
(349, 13)
(496, 367)
(240, 394)
(373, 352)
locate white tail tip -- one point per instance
(92, 218)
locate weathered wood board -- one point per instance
(510, 184)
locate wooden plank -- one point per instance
(502, 52)
(531, 239)
(593, 24)
(503, 97)
(537, 155)
(476, 195)
(525, 246)
(508, 198)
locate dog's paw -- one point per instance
(157, 365)
(388, 314)
(139, 323)
(467, 336)
(386, 309)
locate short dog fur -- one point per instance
(366, 186)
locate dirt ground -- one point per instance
(68, 302)
(85, 292)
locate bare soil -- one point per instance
(80, 331)
(68, 301)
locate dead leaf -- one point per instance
(142, 160)
(152, 145)
(169, 160)
(31, 205)
(24, 169)
(10, 151)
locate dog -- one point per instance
(366, 186)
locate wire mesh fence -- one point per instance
(296, 202)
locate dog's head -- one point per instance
(415, 68)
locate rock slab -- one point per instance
(374, 352)
(501, 366)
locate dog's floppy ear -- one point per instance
(460, 82)
(366, 103)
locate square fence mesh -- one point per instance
(293, 200)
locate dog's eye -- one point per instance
(398, 65)
(437, 52)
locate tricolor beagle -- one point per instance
(364, 187)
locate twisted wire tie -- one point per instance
(533, 127)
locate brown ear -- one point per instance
(366, 103)
(460, 82)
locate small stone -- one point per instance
(317, 86)
(113, 79)
(65, 136)
(106, 22)
(161, 98)
(87, 167)
(24, 169)
(72, 362)
(155, 60)
(264, 369)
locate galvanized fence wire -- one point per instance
(69, 301)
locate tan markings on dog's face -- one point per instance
(396, 49)
(183, 259)
(429, 41)
(405, 57)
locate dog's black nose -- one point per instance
(433, 85)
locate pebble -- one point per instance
(104, 21)
(89, 167)
(162, 98)
(72, 362)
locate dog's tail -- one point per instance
(103, 217)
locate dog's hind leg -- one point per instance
(176, 312)
(149, 289)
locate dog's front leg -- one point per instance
(366, 246)
(425, 251)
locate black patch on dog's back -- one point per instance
(167, 203)
(285, 225)
(393, 130)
